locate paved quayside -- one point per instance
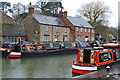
(114, 73)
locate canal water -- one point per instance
(55, 66)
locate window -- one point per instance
(10, 39)
(89, 30)
(103, 57)
(65, 29)
(46, 37)
(46, 28)
(36, 32)
(118, 54)
(64, 37)
(86, 38)
(78, 38)
(56, 28)
(92, 30)
(85, 30)
(80, 29)
(76, 28)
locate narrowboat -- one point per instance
(36, 50)
(6, 49)
(92, 59)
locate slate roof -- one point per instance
(13, 30)
(6, 19)
(48, 20)
(8, 27)
(79, 22)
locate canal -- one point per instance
(55, 66)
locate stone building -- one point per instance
(43, 28)
(11, 31)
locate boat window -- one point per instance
(29, 48)
(48, 45)
(23, 48)
(68, 45)
(117, 54)
(51, 45)
(73, 44)
(103, 57)
(56, 45)
(40, 48)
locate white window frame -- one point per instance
(86, 38)
(56, 28)
(65, 37)
(81, 29)
(85, 29)
(65, 29)
(46, 28)
(46, 37)
(89, 30)
(92, 30)
(78, 37)
(76, 29)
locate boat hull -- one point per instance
(76, 69)
(80, 70)
(42, 53)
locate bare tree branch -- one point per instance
(94, 12)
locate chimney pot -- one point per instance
(65, 13)
(30, 9)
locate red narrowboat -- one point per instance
(92, 59)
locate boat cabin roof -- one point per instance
(111, 45)
(32, 44)
(94, 48)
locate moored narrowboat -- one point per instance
(36, 50)
(6, 49)
(92, 59)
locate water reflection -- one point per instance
(58, 66)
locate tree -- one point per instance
(19, 12)
(19, 8)
(4, 6)
(38, 6)
(48, 8)
(94, 12)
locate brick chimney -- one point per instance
(30, 9)
(63, 16)
(65, 13)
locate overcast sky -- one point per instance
(71, 6)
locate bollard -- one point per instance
(108, 69)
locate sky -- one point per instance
(71, 6)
